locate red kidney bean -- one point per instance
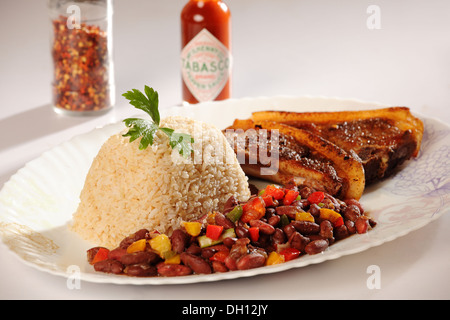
(355, 202)
(139, 257)
(350, 226)
(219, 247)
(194, 249)
(109, 266)
(352, 212)
(238, 250)
(313, 237)
(268, 216)
(341, 232)
(223, 221)
(179, 240)
(298, 241)
(208, 252)
(274, 220)
(305, 192)
(289, 229)
(289, 211)
(336, 204)
(306, 227)
(278, 237)
(327, 203)
(230, 262)
(314, 209)
(229, 241)
(219, 266)
(301, 204)
(117, 253)
(264, 240)
(326, 229)
(138, 235)
(264, 227)
(141, 270)
(250, 261)
(342, 204)
(196, 263)
(173, 270)
(316, 246)
(241, 232)
(230, 204)
(270, 212)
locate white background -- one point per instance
(284, 47)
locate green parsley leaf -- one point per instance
(147, 128)
(148, 103)
(141, 128)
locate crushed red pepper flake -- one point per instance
(81, 67)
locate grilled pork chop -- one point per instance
(296, 155)
(383, 139)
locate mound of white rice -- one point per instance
(127, 189)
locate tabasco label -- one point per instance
(205, 66)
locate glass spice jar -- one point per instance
(81, 49)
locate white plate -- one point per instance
(38, 201)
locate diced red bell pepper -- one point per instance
(270, 201)
(253, 209)
(275, 192)
(290, 197)
(338, 222)
(362, 225)
(102, 254)
(254, 233)
(220, 256)
(214, 231)
(316, 197)
(290, 253)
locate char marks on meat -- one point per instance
(383, 139)
(302, 157)
(337, 152)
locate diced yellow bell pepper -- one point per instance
(304, 216)
(137, 246)
(274, 258)
(161, 244)
(193, 228)
(174, 259)
(331, 215)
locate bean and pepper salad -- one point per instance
(276, 225)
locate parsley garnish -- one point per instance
(148, 128)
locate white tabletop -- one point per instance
(287, 47)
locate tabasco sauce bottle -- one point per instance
(206, 51)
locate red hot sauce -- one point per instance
(206, 51)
